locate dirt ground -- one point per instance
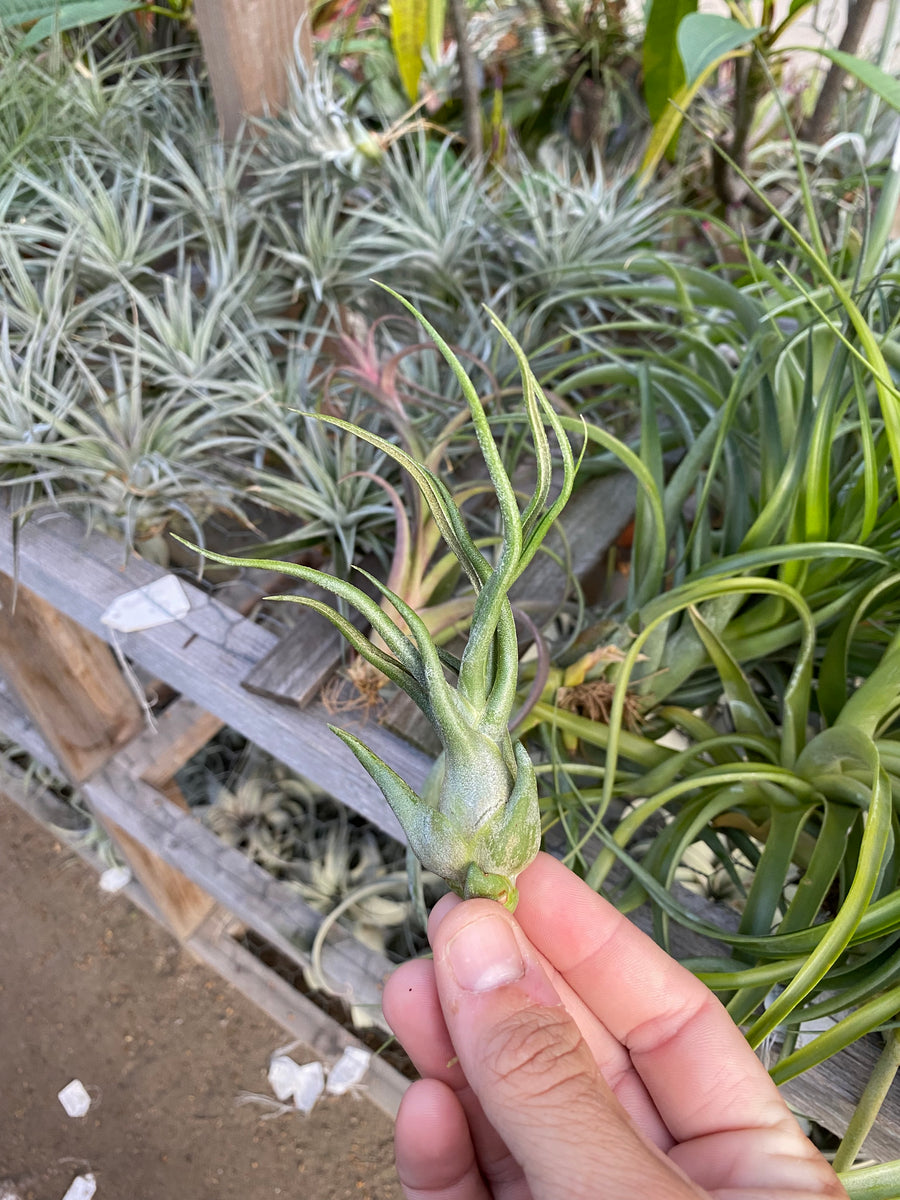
(90, 988)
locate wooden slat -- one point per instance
(297, 668)
(212, 944)
(50, 559)
(67, 679)
(20, 729)
(829, 1093)
(271, 907)
(180, 732)
(590, 523)
(298, 1015)
(72, 686)
(182, 905)
(247, 45)
(267, 905)
(205, 657)
(403, 716)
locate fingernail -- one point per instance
(485, 955)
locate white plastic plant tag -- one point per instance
(283, 1076)
(114, 879)
(310, 1085)
(82, 1187)
(158, 603)
(348, 1070)
(75, 1099)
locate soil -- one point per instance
(92, 989)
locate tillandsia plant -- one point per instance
(477, 822)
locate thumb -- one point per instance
(524, 1057)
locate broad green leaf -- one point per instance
(839, 932)
(692, 56)
(833, 670)
(878, 695)
(767, 889)
(705, 40)
(656, 554)
(838, 1037)
(436, 17)
(19, 12)
(885, 86)
(818, 878)
(647, 575)
(409, 29)
(663, 68)
(66, 15)
(747, 714)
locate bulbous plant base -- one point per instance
(478, 885)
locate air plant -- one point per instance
(477, 822)
(424, 581)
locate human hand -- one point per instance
(565, 1056)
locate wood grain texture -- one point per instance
(302, 1019)
(248, 45)
(245, 891)
(589, 524)
(213, 945)
(68, 681)
(403, 716)
(298, 667)
(205, 657)
(294, 671)
(830, 1092)
(182, 730)
(182, 905)
(267, 905)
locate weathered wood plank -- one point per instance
(48, 810)
(265, 904)
(829, 1093)
(182, 905)
(16, 725)
(261, 902)
(247, 45)
(295, 1013)
(181, 731)
(404, 717)
(257, 899)
(294, 671)
(205, 657)
(212, 945)
(589, 524)
(297, 668)
(67, 679)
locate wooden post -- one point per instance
(247, 45)
(67, 680)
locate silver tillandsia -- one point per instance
(477, 822)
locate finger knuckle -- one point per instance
(539, 1051)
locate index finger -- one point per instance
(693, 1059)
